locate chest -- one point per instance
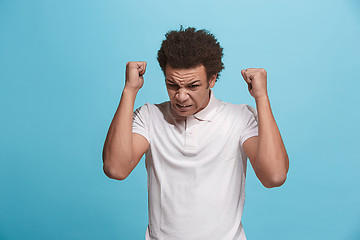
(219, 138)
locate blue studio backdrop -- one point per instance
(62, 67)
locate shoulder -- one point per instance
(152, 107)
(153, 110)
(237, 110)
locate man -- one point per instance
(196, 146)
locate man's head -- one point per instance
(191, 62)
(188, 89)
(189, 48)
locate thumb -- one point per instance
(243, 73)
(142, 68)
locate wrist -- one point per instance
(130, 90)
(262, 98)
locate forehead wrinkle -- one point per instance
(183, 78)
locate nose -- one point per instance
(182, 95)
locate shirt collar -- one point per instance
(209, 112)
(206, 114)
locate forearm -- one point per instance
(117, 152)
(272, 162)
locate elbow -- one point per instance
(275, 181)
(278, 177)
(113, 167)
(114, 173)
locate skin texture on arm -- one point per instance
(266, 152)
(123, 149)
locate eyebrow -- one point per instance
(167, 80)
(194, 82)
(172, 82)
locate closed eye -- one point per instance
(193, 86)
(172, 85)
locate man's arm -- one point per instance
(124, 149)
(266, 152)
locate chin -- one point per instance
(183, 113)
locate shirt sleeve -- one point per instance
(250, 128)
(141, 121)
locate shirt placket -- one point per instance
(191, 133)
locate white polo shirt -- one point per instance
(196, 170)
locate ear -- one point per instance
(212, 81)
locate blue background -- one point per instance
(62, 72)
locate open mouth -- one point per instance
(183, 107)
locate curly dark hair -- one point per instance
(188, 48)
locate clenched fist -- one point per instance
(134, 75)
(256, 79)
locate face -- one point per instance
(188, 89)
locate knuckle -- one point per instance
(130, 64)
